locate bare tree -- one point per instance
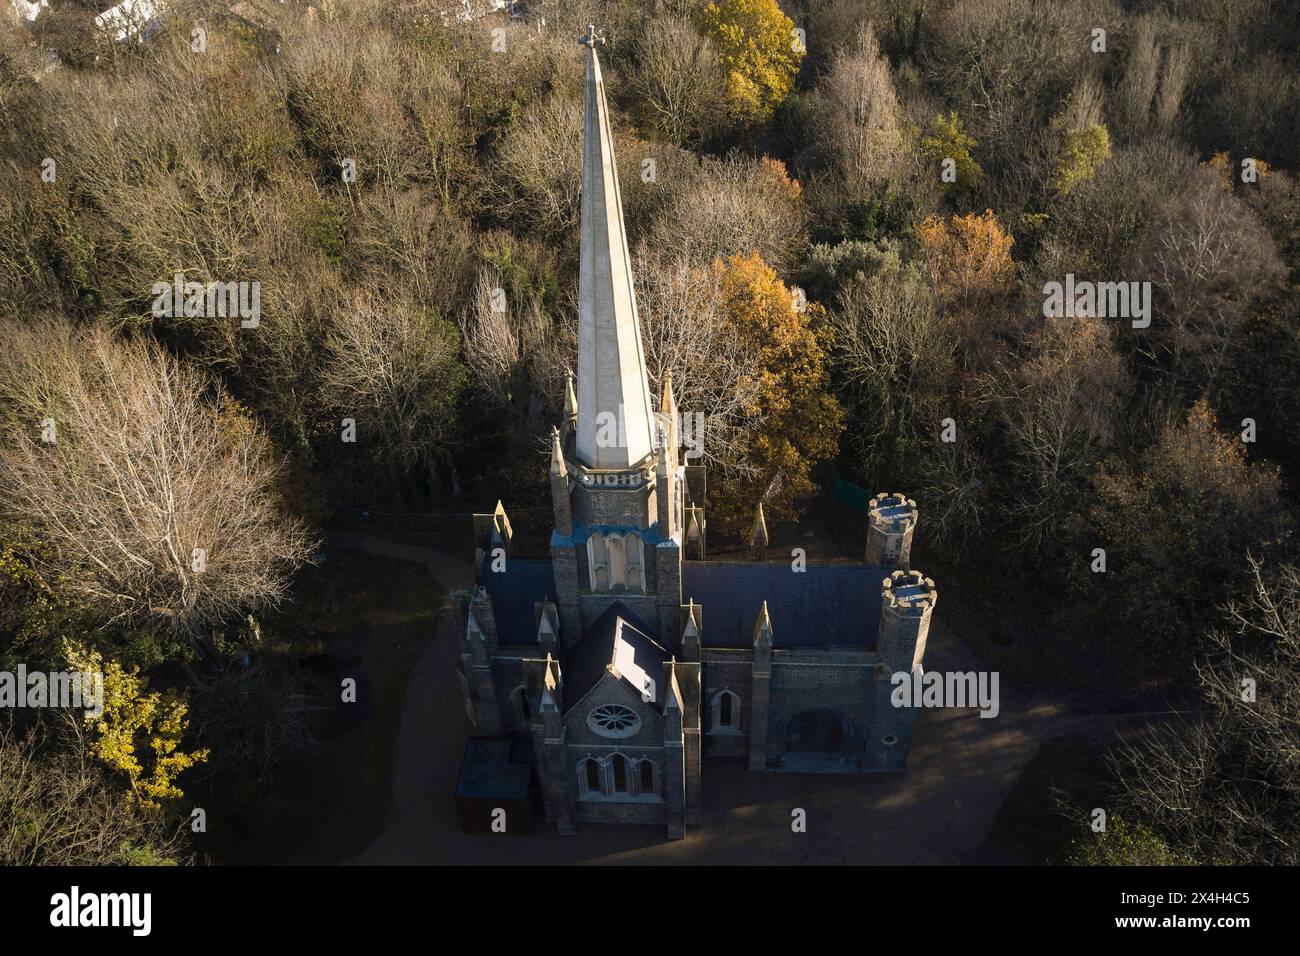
(497, 333)
(1257, 109)
(1173, 84)
(57, 807)
(154, 496)
(949, 478)
(985, 51)
(1136, 90)
(1178, 524)
(350, 90)
(395, 368)
(732, 206)
(515, 349)
(894, 351)
(855, 113)
(1058, 408)
(1103, 220)
(679, 81)
(406, 247)
(537, 166)
(1224, 785)
(1209, 259)
(713, 368)
(1157, 68)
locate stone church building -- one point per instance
(625, 660)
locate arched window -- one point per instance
(519, 698)
(618, 777)
(617, 562)
(726, 713)
(635, 578)
(589, 777)
(598, 561)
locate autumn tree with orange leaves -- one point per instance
(970, 255)
(801, 420)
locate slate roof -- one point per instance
(825, 605)
(515, 593)
(822, 606)
(620, 639)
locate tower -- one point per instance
(614, 411)
(616, 478)
(907, 601)
(891, 521)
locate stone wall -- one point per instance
(726, 669)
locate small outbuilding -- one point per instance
(495, 793)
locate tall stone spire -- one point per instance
(614, 411)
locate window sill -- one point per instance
(620, 798)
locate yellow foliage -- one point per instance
(138, 733)
(1220, 164)
(756, 44)
(950, 141)
(1081, 153)
(969, 255)
(801, 421)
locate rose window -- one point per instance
(611, 720)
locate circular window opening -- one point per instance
(612, 720)
(889, 740)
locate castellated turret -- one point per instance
(907, 600)
(891, 520)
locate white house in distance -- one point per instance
(467, 11)
(131, 20)
(26, 13)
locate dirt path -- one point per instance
(962, 767)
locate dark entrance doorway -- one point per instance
(815, 732)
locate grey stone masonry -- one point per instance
(478, 646)
(688, 678)
(668, 596)
(907, 601)
(561, 497)
(891, 522)
(675, 753)
(552, 754)
(564, 567)
(760, 691)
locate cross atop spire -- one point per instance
(614, 410)
(590, 38)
